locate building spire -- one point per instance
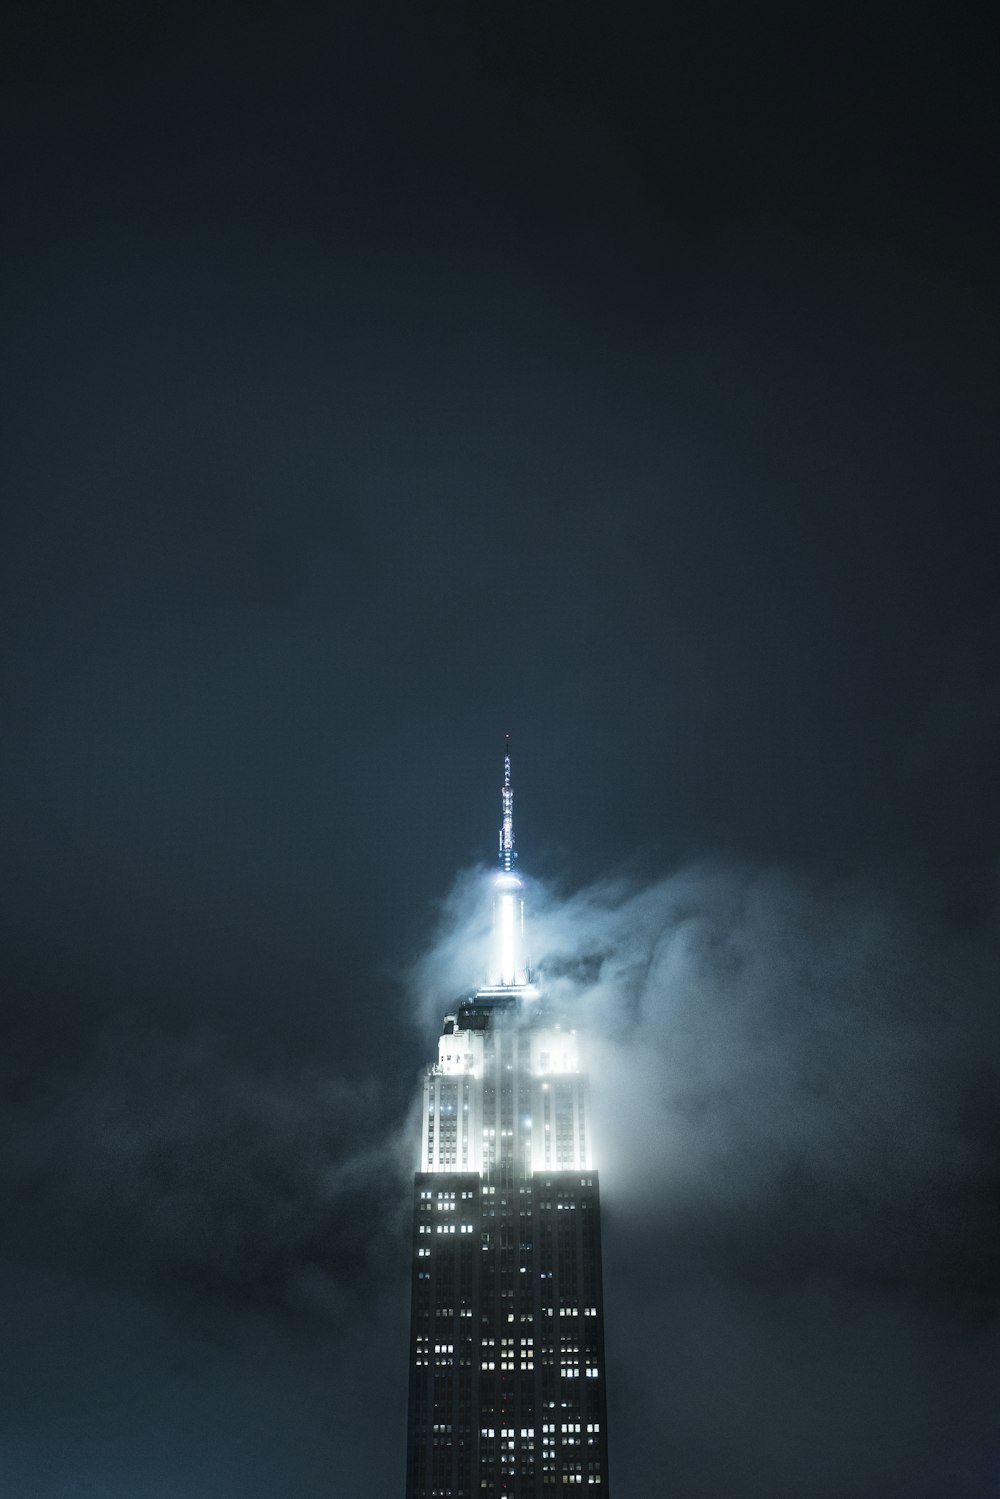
(507, 854)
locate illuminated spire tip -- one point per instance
(507, 854)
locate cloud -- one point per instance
(760, 1040)
(797, 1131)
(175, 1164)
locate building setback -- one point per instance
(507, 1386)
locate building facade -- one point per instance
(507, 1380)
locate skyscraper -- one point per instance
(507, 1386)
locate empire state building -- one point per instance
(507, 1385)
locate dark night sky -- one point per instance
(380, 379)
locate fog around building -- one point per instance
(795, 1122)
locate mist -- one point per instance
(796, 1126)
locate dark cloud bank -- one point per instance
(795, 1093)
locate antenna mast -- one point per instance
(507, 854)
